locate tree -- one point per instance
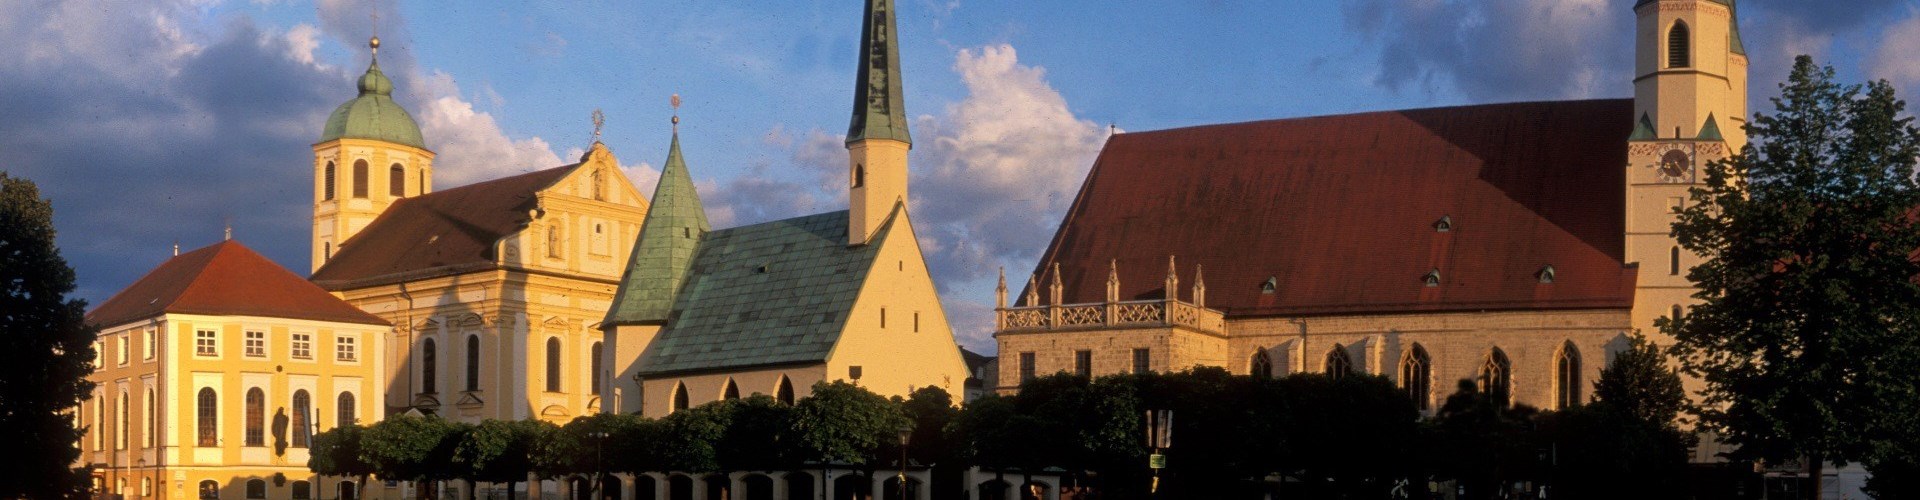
(580, 447)
(46, 351)
(758, 436)
(500, 451)
(1353, 436)
(842, 423)
(1483, 443)
(410, 448)
(1809, 323)
(337, 452)
(1639, 382)
(1626, 443)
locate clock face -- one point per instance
(1675, 165)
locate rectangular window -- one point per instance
(1140, 359)
(916, 322)
(1083, 363)
(146, 343)
(344, 349)
(206, 343)
(1026, 367)
(302, 346)
(99, 354)
(123, 347)
(256, 344)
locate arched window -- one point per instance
(473, 362)
(327, 181)
(784, 391)
(256, 488)
(731, 392)
(679, 397)
(553, 240)
(150, 420)
(1675, 315)
(256, 425)
(553, 364)
(1678, 46)
(360, 178)
(1415, 377)
(208, 413)
(1496, 377)
(1338, 364)
(302, 410)
(397, 181)
(1261, 366)
(99, 422)
(344, 405)
(1566, 367)
(209, 490)
(597, 365)
(428, 366)
(859, 175)
(120, 429)
(302, 490)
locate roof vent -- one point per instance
(760, 270)
(1268, 287)
(1432, 278)
(1444, 224)
(1545, 274)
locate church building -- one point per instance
(494, 288)
(772, 308)
(1517, 245)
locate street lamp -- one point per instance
(141, 465)
(906, 434)
(599, 468)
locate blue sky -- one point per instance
(154, 122)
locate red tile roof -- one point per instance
(436, 234)
(225, 279)
(1340, 211)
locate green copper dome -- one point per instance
(373, 115)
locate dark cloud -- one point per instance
(1824, 16)
(1500, 50)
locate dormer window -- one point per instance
(1270, 285)
(1432, 279)
(1444, 224)
(1546, 274)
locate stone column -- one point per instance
(659, 485)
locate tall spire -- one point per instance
(663, 254)
(878, 110)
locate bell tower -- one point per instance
(877, 140)
(370, 155)
(1690, 109)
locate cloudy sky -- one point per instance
(155, 122)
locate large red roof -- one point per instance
(225, 279)
(440, 233)
(1340, 211)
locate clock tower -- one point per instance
(1690, 107)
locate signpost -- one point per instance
(1159, 437)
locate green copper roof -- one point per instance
(878, 110)
(664, 251)
(373, 115)
(1711, 131)
(1643, 131)
(767, 294)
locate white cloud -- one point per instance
(470, 144)
(1893, 59)
(1496, 50)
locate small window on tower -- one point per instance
(1678, 46)
(859, 175)
(397, 181)
(328, 180)
(360, 178)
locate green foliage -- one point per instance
(843, 423)
(46, 350)
(1627, 442)
(1639, 382)
(500, 451)
(1355, 435)
(1483, 443)
(580, 446)
(691, 436)
(409, 448)
(336, 452)
(1809, 329)
(759, 435)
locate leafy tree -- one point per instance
(581, 447)
(932, 411)
(1627, 442)
(1483, 443)
(500, 451)
(690, 437)
(758, 435)
(46, 351)
(410, 448)
(1639, 382)
(337, 452)
(1353, 436)
(1809, 326)
(842, 423)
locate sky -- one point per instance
(155, 123)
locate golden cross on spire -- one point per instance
(599, 120)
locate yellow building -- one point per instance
(1514, 245)
(215, 369)
(772, 308)
(495, 288)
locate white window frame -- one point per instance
(147, 346)
(346, 348)
(99, 353)
(122, 352)
(296, 346)
(248, 339)
(206, 343)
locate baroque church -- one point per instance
(1515, 245)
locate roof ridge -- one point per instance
(1372, 113)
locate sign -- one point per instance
(1157, 461)
(1159, 429)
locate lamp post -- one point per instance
(906, 434)
(141, 465)
(599, 468)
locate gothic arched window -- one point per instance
(1678, 46)
(256, 426)
(596, 351)
(1415, 377)
(1338, 364)
(731, 392)
(1566, 380)
(1673, 261)
(473, 362)
(679, 397)
(397, 181)
(208, 413)
(360, 178)
(1496, 377)
(302, 408)
(327, 181)
(1261, 366)
(428, 366)
(553, 364)
(784, 391)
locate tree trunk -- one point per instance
(512, 485)
(1815, 464)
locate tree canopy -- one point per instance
(46, 351)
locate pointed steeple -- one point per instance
(663, 253)
(1711, 130)
(878, 110)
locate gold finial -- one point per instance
(373, 17)
(599, 120)
(675, 102)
